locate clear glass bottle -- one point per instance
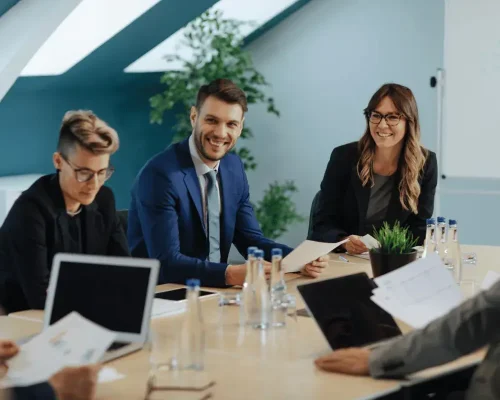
(192, 337)
(430, 238)
(261, 318)
(441, 238)
(248, 291)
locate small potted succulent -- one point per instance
(396, 249)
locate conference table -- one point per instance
(247, 363)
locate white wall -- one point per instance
(324, 62)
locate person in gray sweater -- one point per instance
(469, 327)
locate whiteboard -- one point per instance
(471, 93)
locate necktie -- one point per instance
(213, 217)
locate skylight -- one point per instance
(259, 11)
(92, 23)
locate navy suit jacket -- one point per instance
(166, 217)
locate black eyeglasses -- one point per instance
(84, 174)
(392, 119)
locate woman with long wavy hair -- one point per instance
(386, 176)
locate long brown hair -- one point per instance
(413, 155)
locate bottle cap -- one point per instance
(251, 250)
(192, 283)
(277, 252)
(441, 219)
(259, 253)
(431, 221)
(452, 221)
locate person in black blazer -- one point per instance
(70, 211)
(386, 176)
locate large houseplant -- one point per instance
(396, 248)
(216, 51)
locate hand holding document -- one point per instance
(370, 242)
(307, 252)
(419, 292)
(72, 341)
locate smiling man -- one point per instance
(191, 202)
(70, 211)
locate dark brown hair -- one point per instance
(413, 155)
(224, 90)
(84, 128)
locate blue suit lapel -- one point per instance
(191, 179)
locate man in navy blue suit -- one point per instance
(191, 202)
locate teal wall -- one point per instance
(31, 121)
(32, 110)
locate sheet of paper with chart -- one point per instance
(72, 341)
(306, 252)
(418, 292)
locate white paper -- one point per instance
(370, 242)
(72, 341)
(418, 292)
(108, 374)
(490, 279)
(364, 256)
(307, 252)
(164, 308)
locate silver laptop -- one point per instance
(114, 292)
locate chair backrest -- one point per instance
(314, 205)
(123, 217)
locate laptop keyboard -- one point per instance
(117, 345)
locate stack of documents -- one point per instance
(72, 341)
(419, 292)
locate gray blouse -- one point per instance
(380, 196)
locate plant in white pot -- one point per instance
(396, 248)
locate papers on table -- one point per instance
(306, 252)
(166, 308)
(489, 280)
(419, 292)
(364, 256)
(108, 374)
(72, 341)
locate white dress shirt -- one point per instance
(201, 170)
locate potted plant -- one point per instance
(396, 248)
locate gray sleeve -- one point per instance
(468, 327)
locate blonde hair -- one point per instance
(413, 155)
(84, 128)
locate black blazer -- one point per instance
(36, 229)
(343, 201)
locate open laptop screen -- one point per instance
(112, 296)
(344, 312)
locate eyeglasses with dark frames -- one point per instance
(84, 174)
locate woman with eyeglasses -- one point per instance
(69, 211)
(386, 176)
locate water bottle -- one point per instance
(278, 290)
(441, 237)
(278, 284)
(248, 291)
(430, 238)
(261, 319)
(192, 339)
(454, 255)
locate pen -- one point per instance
(343, 259)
